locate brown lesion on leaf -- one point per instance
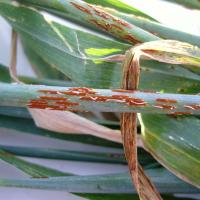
(164, 106)
(180, 113)
(99, 12)
(81, 8)
(78, 91)
(192, 106)
(128, 37)
(103, 26)
(166, 100)
(121, 22)
(116, 99)
(48, 91)
(52, 101)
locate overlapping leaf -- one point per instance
(115, 183)
(85, 65)
(175, 142)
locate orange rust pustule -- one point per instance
(67, 103)
(99, 12)
(49, 91)
(38, 101)
(105, 27)
(135, 102)
(37, 106)
(87, 98)
(55, 107)
(53, 98)
(116, 98)
(74, 93)
(181, 113)
(105, 15)
(81, 8)
(166, 100)
(95, 98)
(164, 106)
(83, 89)
(192, 106)
(116, 27)
(77, 91)
(131, 39)
(123, 23)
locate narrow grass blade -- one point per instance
(115, 183)
(34, 170)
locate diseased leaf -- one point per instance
(85, 64)
(175, 143)
(161, 30)
(93, 17)
(87, 99)
(119, 6)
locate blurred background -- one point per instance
(172, 15)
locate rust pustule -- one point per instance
(116, 27)
(77, 91)
(101, 98)
(55, 107)
(164, 106)
(192, 106)
(95, 98)
(53, 98)
(49, 91)
(83, 89)
(135, 102)
(99, 12)
(87, 98)
(119, 97)
(37, 103)
(103, 26)
(131, 39)
(181, 113)
(67, 103)
(81, 8)
(166, 100)
(37, 106)
(123, 23)
(74, 93)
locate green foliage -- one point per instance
(90, 56)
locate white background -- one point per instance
(172, 15)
